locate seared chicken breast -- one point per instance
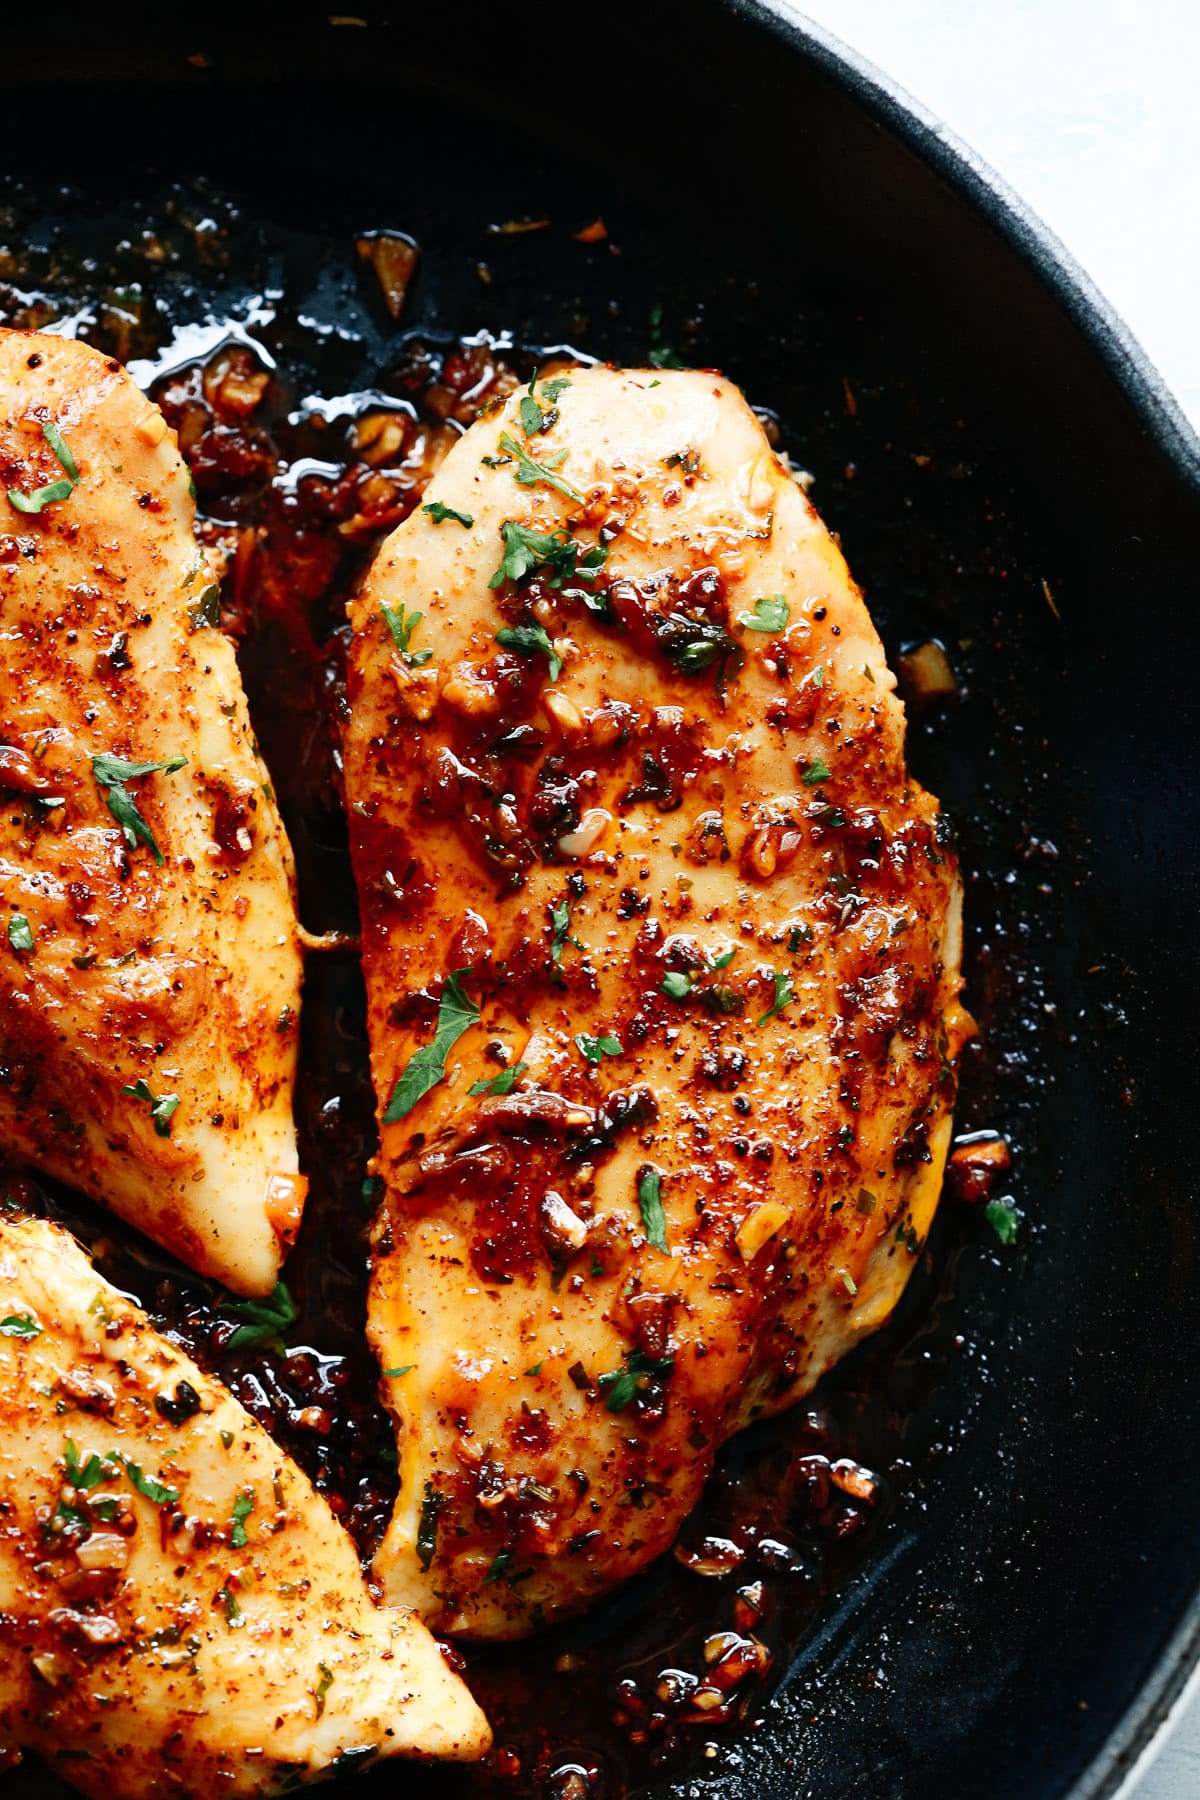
(149, 959)
(179, 1611)
(662, 951)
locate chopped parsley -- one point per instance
(529, 473)
(207, 610)
(694, 645)
(20, 934)
(85, 1476)
(427, 1066)
(323, 1687)
(595, 1049)
(402, 628)
(556, 551)
(111, 774)
(54, 490)
(799, 934)
(784, 995)
(1004, 1217)
(234, 1616)
(243, 1506)
(427, 1526)
(439, 512)
(162, 1107)
(402, 1369)
(531, 640)
(677, 985)
(265, 1321)
(560, 929)
(503, 1083)
(815, 772)
(20, 1325)
(771, 613)
(501, 1563)
(622, 1384)
(650, 1205)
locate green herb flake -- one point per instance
(848, 1282)
(111, 774)
(243, 1506)
(501, 1563)
(534, 1369)
(265, 1320)
(402, 626)
(58, 444)
(866, 1202)
(427, 1066)
(503, 1083)
(395, 1374)
(439, 512)
(207, 610)
(676, 985)
(1004, 1217)
(560, 929)
(529, 473)
(531, 640)
(771, 613)
(661, 355)
(815, 772)
(558, 384)
(162, 1107)
(146, 1485)
(784, 995)
(20, 933)
(650, 1205)
(41, 497)
(234, 1616)
(427, 1527)
(226, 1439)
(558, 552)
(323, 1687)
(818, 676)
(798, 935)
(622, 1384)
(20, 1325)
(595, 1049)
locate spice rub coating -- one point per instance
(662, 949)
(179, 1611)
(149, 957)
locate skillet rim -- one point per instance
(1141, 1732)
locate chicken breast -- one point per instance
(662, 951)
(149, 959)
(181, 1613)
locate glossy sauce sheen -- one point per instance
(297, 490)
(675, 820)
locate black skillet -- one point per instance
(1009, 475)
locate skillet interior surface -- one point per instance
(1030, 1409)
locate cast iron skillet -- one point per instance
(1007, 473)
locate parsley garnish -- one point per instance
(146, 1484)
(439, 512)
(55, 490)
(815, 772)
(20, 935)
(503, 1083)
(427, 1066)
(86, 1476)
(207, 610)
(234, 1616)
(402, 628)
(622, 1384)
(530, 473)
(557, 551)
(20, 1325)
(162, 1107)
(533, 417)
(595, 1049)
(427, 1527)
(799, 934)
(651, 1208)
(111, 773)
(265, 1320)
(1004, 1217)
(502, 1561)
(560, 927)
(677, 985)
(323, 1687)
(771, 613)
(531, 640)
(784, 995)
(555, 386)
(243, 1506)
(403, 1369)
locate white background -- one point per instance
(1090, 109)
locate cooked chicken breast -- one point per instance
(662, 951)
(149, 962)
(181, 1613)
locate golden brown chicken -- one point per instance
(662, 952)
(179, 1611)
(149, 961)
